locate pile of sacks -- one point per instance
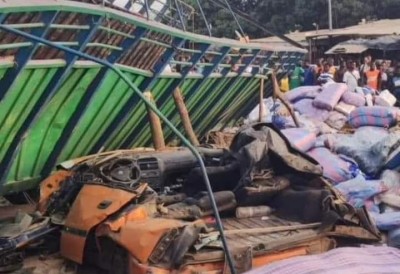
(364, 165)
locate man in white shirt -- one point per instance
(350, 77)
(356, 71)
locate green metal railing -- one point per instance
(185, 141)
(54, 106)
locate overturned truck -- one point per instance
(149, 212)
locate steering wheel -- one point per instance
(123, 171)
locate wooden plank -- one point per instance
(187, 125)
(110, 30)
(25, 25)
(74, 27)
(106, 46)
(155, 42)
(155, 124)
(15, 45)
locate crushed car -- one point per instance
(148, 211)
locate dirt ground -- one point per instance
(53, 264)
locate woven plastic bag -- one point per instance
(334, 167)
(368, 146)
(385, 99)
(394, 238)
(302, 93)
(344, 108)
(358, 190)
(306, 108)
(300, 138)
(372, 116)
(387, 221)
(354, 99)
(330, 96)
(336, 120)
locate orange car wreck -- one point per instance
(149, 212)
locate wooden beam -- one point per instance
(184, 114)
(279, 95)
(155, 124)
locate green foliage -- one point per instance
(282, 16)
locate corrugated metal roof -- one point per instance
(277, 42)
(386, 43)
(296, 36)
(375, 28)
(347, 49)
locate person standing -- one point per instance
(356, 72)
(309, 74)
(284, 83)
(332, 68)
(326, 77)
(340, 72)
(297, 77)
(320, 68)
(373, 77)
(384, 76)
(394, 83)
(350, 77)
(365, 67)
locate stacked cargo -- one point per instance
(354, 137)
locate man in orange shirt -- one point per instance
(373, 77)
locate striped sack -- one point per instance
(354, 99)
(334, 168)
(300, 138)
(330, 96)
(372, 116)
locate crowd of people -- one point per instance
(376, 75)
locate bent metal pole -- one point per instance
(153, 108)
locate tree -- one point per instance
(283, 16)
(220, 19)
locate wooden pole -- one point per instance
(155, 125)
(279, 95)
(184, 114)
(262, 112)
